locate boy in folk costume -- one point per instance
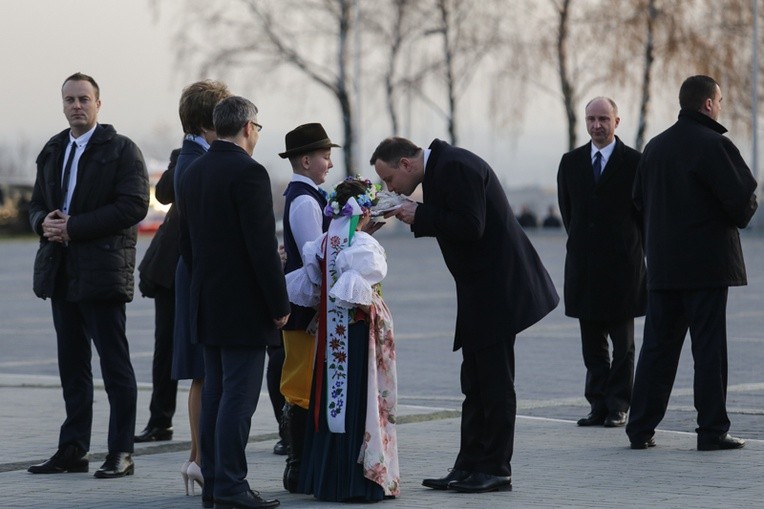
(351, 446)
(308, 149)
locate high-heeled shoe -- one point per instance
(194, 473)
(184, 475)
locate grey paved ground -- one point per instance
(556, 464)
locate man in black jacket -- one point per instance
(91, 191)
(604, 263)
(237, 300)
(695, 191)
(502, 288)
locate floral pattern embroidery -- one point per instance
(336, 342)
(379, 452)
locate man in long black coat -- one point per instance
(604, 265)
(238, 299)
(695, 191)
(501, 286)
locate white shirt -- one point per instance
(81, 142)
(606, 152)
(305, 215)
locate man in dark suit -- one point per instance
(695, 191)
(157, 281)
(238, 298)
(501, 286)
(91, 191)
(604, 265)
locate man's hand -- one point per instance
(282, 255)
(280, 322)
(406, 212)
(54, 227)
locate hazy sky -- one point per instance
(116, 42)
(128, 52)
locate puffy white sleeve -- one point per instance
(360, 266)
(304, 284)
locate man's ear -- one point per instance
(708, 105)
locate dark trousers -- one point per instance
(164, 389)
(232, 381)
(273, 378)
(669, 315)
(489, 409)
(76, 324)
(608, 383)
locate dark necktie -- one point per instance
(597, 165)
(67, 172)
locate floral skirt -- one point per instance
(330, 469)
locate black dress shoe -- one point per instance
(444, 482)
(481, 483)
(725, 441)
(650, 442)
(68, 458)
(208, 503)
(117, 464)
(245, 500)
(593, 419)
(616, 420)
(280, 448)
(154, 435)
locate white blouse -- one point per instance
(359, 266)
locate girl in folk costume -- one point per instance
(351, 451)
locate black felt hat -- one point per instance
(306, 138)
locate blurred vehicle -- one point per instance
(157, 210)
(14, 207)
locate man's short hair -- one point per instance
(232, 114)
(612, 103)
(695, 90)
(197, 102)
(391, 150)
(78, 76)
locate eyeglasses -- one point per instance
(257, 126)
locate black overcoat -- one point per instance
(696, 191)
(228, 240)
(604, 262)
(501, 285)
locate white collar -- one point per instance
(296, 177)
(82, 139)
(606, 151)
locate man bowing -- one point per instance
(501, 286)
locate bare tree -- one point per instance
(395, 25)
(468, 30)
(311, 36)
(566, 84)
(647, 68)
(677, 39)
(573, 49)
